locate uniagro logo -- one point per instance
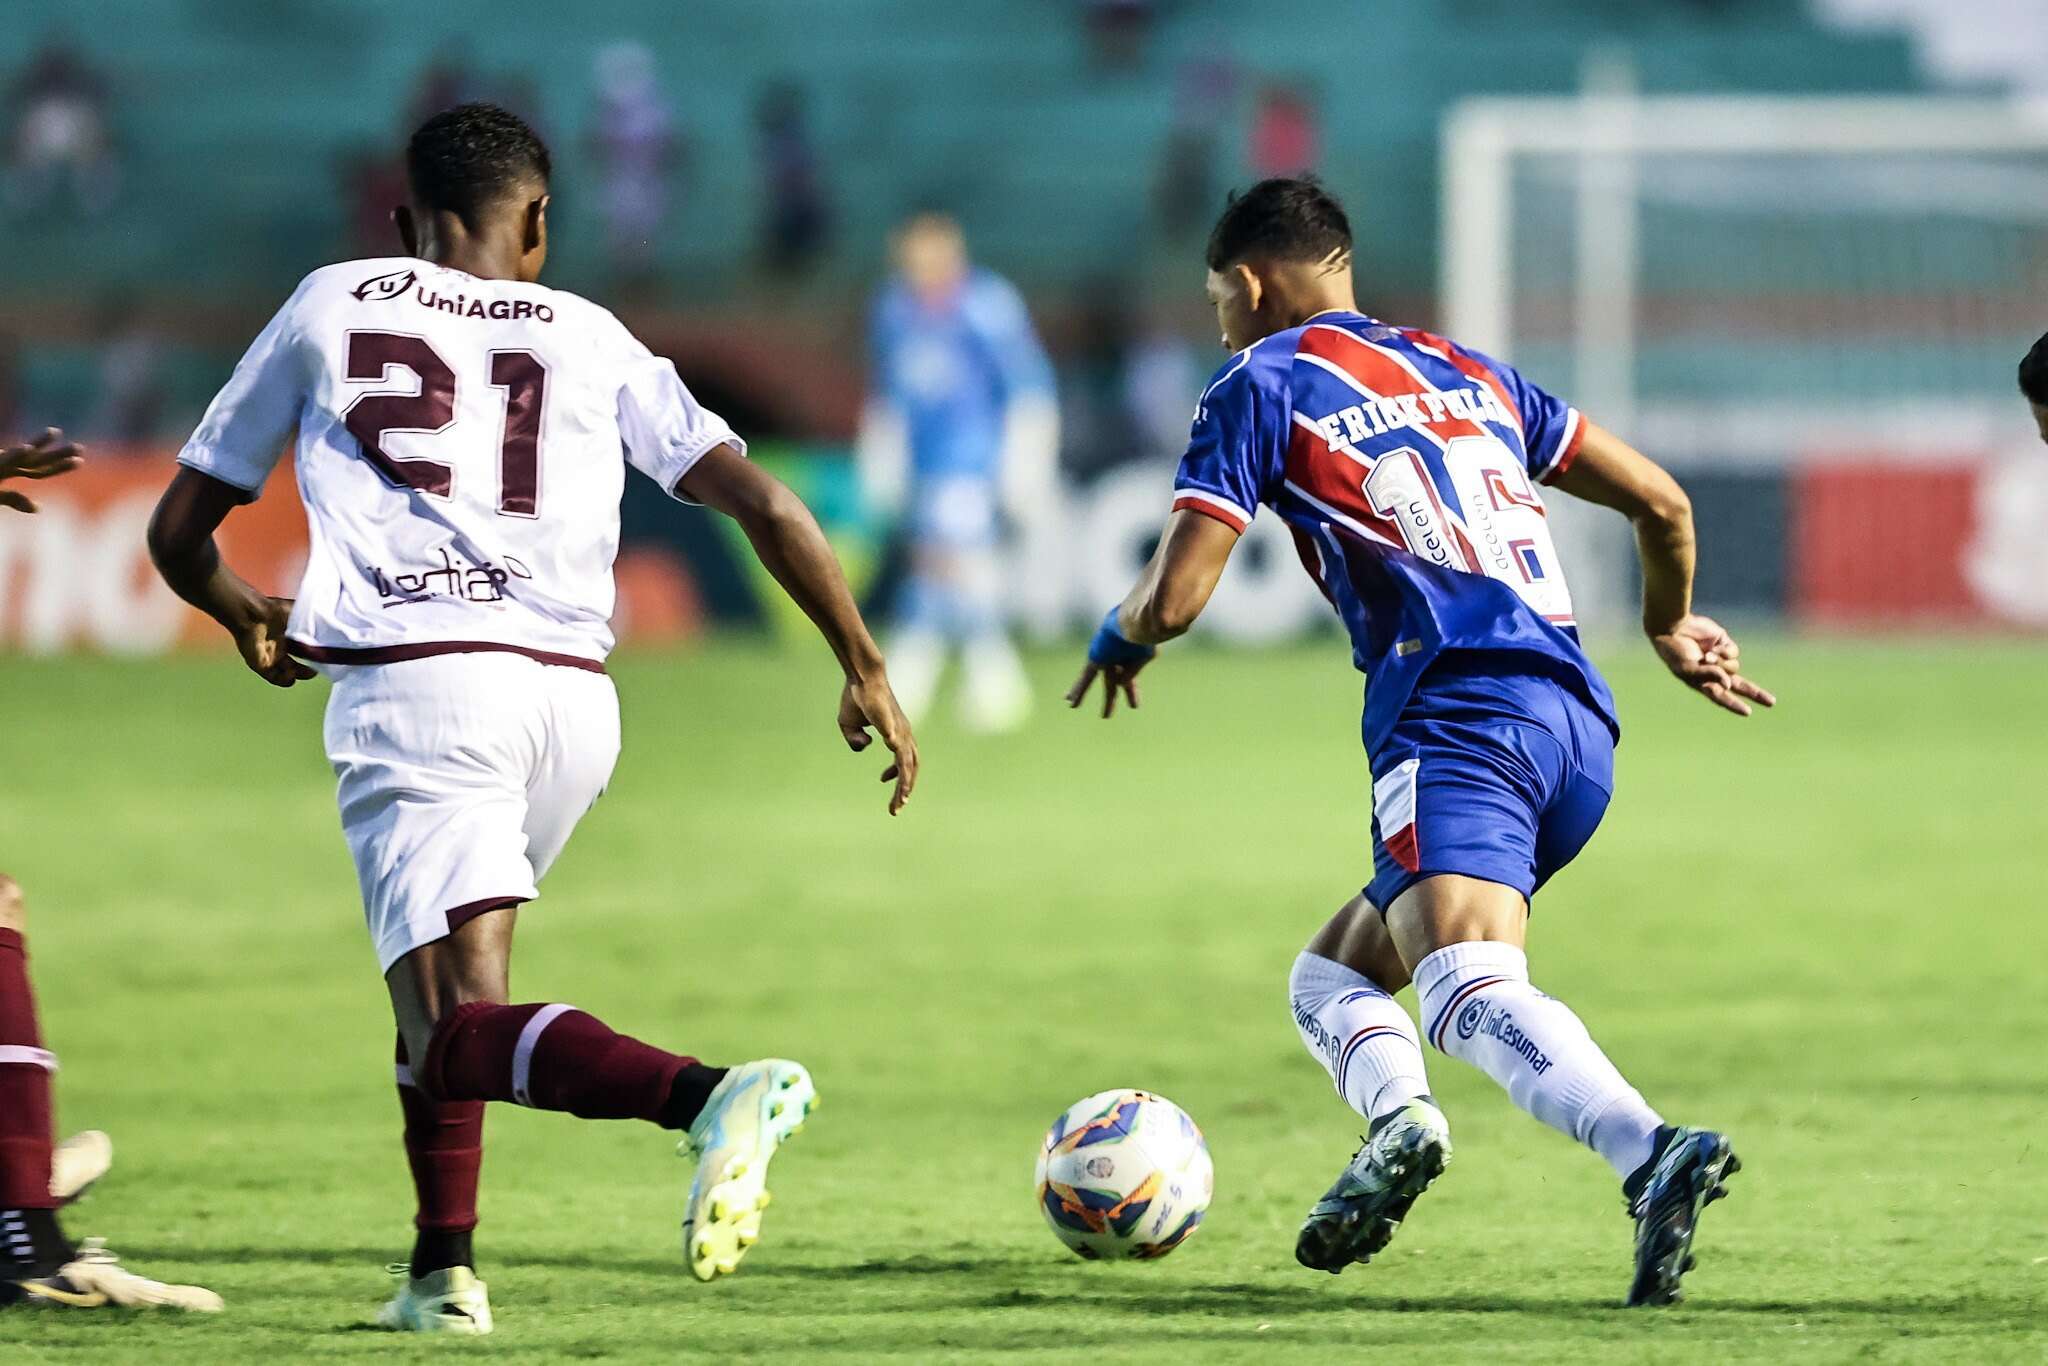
(378, 288)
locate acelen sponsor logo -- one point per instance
(77, 574)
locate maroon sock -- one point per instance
(25, 1068)
(552, 1057)
(444, 1142)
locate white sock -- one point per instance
(1477, 1004)
(996, 695)
(917, 659)
(1362, 1037)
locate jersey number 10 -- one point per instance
(521, 374)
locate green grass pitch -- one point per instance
(1821, 929)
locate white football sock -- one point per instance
(1362, 1037)
(996, 694)
(917, 659)
(1477, 1005)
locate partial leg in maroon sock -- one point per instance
(28, 1223)
(555, 1057)
(444, 1144)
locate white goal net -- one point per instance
(1756, 287)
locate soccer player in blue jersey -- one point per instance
(1405, 466)
(961, 424)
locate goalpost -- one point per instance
(1749, 283)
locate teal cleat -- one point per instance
(753, 1111)
(1687, 1173)
(1356, 1218)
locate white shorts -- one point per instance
(461, 776)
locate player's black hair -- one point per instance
(463, 160)
(1286, 218)
(2034, 372)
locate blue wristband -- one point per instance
(1110, 648)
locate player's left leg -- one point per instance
(444, 1146)
(1341, 990)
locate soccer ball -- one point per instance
(1124, 1174)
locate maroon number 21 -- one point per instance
(521, 374)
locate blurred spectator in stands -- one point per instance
(132, 388)
(10, 384)
(447, 80)
(372, 184)
(1185, 193)
(637, 152)
(1286, 134)
(520, 93)
(60, 137)
(798, 222)
(1161, 371)
(1117, 30)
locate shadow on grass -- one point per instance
(1239, 1298)
(937, 1284)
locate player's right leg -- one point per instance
(920, 635)
(1341, 991)
(995, 695)
(38, 1264)
(449, 997)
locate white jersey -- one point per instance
(461, 454)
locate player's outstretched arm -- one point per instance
(46, 457)
(1169, 595)
(794, 550)
(181, 544)
(1698, 650)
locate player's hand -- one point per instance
(1116, 679)
(46, 457)
(262, 645)
(1702, 655)
(871, 702)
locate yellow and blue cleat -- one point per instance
(753, 1111)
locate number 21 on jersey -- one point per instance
(1499, 528)
(431, 410)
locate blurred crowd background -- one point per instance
(1805, 330)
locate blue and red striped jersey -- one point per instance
(1406, 468)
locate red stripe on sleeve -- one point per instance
(1571, 449)
(1209, 509)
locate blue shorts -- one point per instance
(1499, 778)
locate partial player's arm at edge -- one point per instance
(1698, 650)
(181, 545)
(1167, 598)
(46, 457)
(792, 548)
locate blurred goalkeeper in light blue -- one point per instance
(961, 427)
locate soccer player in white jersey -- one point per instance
(463, 435)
